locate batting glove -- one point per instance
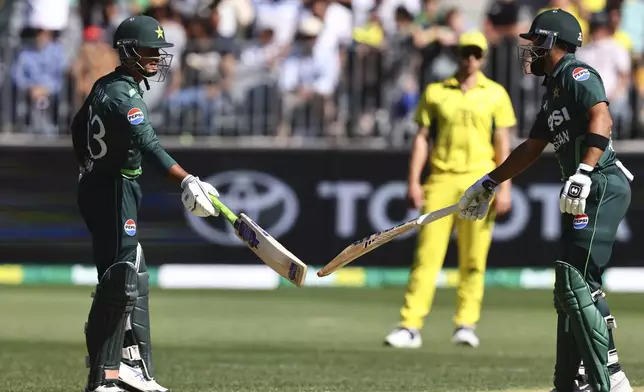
(195, 196)
(475, 203)
(576, 190)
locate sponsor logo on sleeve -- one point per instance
(135, 116)
(580, 74)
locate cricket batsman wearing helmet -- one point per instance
(111, 134)
(596, 194)
(468, 118)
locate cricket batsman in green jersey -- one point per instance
(111, 135)
(574, 117)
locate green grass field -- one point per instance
(301, 340)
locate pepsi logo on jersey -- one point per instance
(135, 116)
(130, 227)
(580, 221)
(580, 74)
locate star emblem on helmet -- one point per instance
(159, 32)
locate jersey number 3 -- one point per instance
(98, 136)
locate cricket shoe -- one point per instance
(134, 378)
(404, 338)
(111, 387)
(619, 383)
(465, 336)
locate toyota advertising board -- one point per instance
(314, 202)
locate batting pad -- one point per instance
(587, 324)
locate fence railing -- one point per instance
(371, 97)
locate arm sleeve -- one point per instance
(539, 128)
(423, 116)
(78, 129)
(504, 113)
(143, 135)
(587, 91)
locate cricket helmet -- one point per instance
(139, 32)
(548, 28)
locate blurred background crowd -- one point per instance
(307, 69)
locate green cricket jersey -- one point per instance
(112, 131)
(571, 91)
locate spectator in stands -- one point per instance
(613, 63)
(307, 83)
(632, 15)
(40, 68)
(504, 21)
(282, 16)
(387, 13)
(96, 58)
(428, 16)
(235, 16)
(437, 47)
(614, 11)
(206, 75)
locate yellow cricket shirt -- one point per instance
(462, 124)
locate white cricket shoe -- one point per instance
(465, 336)
(134, 378)
(404, 338)
(106, 388)
(619, 383)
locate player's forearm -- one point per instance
(177, 173)
(502, 151)
(600, 124)
(418, 159)
(157, 155)
(520, 159)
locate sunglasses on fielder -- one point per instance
(468, 51)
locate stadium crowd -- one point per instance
(297, 67)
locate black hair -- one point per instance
(570, 48)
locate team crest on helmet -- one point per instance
(580, 74)
(135, 116)
(159, 32)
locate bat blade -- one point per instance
(376, 240)
(365, 246)
(270, 251)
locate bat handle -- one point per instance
(230, 216)
(435, 215)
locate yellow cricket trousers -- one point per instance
(473, 238)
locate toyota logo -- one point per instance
(264, 198)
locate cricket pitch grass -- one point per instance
(308, 340)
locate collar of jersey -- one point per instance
(481, 80)
(130, 79)
(561, 64)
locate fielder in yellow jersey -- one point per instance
(467, 118)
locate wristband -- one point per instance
(186, 180)
(595, 140)
(585, 169)
(488, 183)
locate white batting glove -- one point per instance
(475, 203)
(195, 196)
(575, 191)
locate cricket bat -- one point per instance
(373, 241)
(267, 248)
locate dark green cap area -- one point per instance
(140, 32)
